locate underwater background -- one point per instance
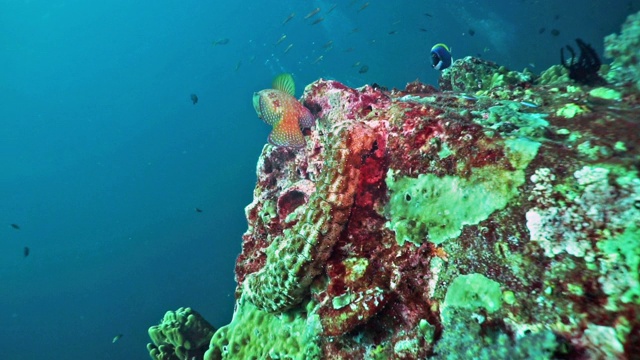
(105, 157)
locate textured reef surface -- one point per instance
(495, 218)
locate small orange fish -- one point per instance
(279, 108)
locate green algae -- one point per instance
(463, 338)
(437, 208)
(621, 267)
(474, 291)
(527, 124)
(606, 93)
(343, 300)
(570, 111)
(257, 334)
(509, 297)
(556, 74)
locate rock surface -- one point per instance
(497, 218)
(422, 223)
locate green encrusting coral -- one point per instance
(181, 335)
(257, 334)
(474, 291)
(436, 208)
(463, 338)
(621, 267)
(623, 49)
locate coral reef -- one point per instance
(623, 49)
(484, 225)
(255, 334)
(181, 335)
(495, 218)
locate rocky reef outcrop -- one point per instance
(495, 218)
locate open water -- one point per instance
(104, 157)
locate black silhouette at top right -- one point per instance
(584, 69)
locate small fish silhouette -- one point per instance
(289, 18)
(198, 210)
(363, 69)
(281, 39)
(15, 226)
(26, 251)
(224, 41)
(116, 338)
(312, 13)
(194, 99)
(279, 108)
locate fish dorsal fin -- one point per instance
(284, 82)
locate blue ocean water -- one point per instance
(104, 158)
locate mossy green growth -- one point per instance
(620, 267)
(343, 300)
(356, 267)
(181, 334)
(474, 291)
(527, 124)
(436, 208)
(268, 211)
(462, 338)
(606, 93)
(471, 74)
(623, 49)
(509, 297)
(570, 110)
(557, 74)
(256, 334)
